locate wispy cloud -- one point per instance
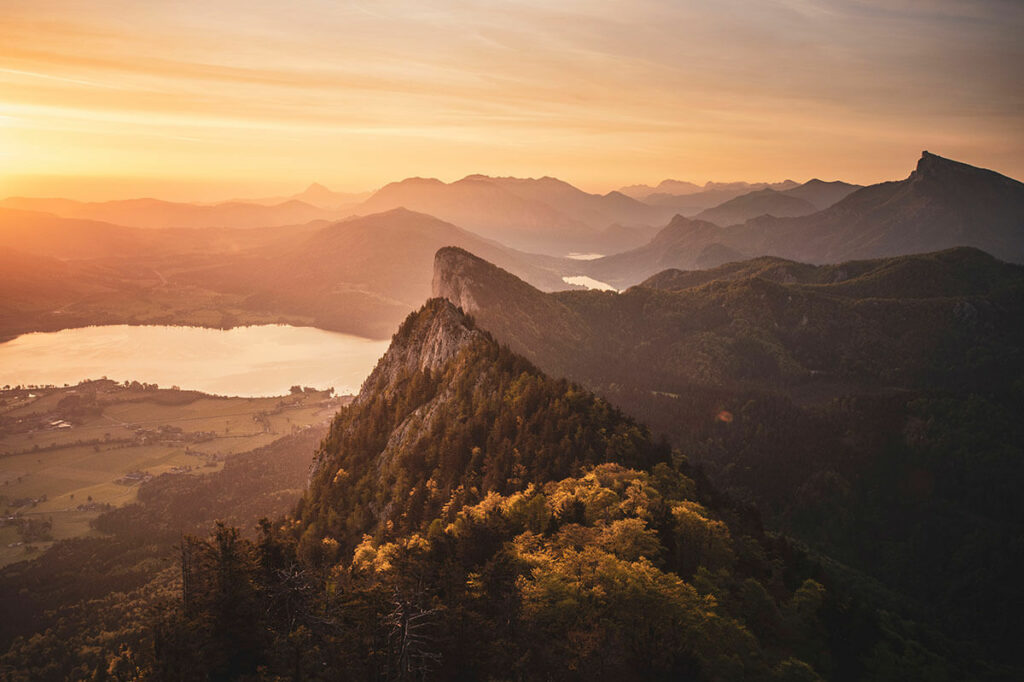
(604, 92)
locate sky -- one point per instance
(209, 100)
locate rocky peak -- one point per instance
(933, 166)
(427, 340)
(470, 282)
(936, 168)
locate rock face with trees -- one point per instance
(469, 517)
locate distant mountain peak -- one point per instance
(417, 180)
(930, 164)
(316, 193)
(933, 166)
(977, 189)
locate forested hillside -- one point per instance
(866, 407)
(469, 517)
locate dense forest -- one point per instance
(865, 408)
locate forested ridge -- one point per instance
(470, 517)
(865, 408)
(434, 542)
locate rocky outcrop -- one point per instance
(530, 322)
(427, 340)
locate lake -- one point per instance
(262, 360)
(588, 282)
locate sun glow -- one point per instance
(358, 94)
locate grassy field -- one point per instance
(66, 454)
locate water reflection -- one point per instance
(246, 361)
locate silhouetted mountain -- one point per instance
(681, 244)
(667, 189)
(315, 195)
(154, 213)
(810, 197)
(943, 204)
(595, 210)
(45, 234)
(321, 197)
(485, 208)
(863, 407)
(711, 195)
(545, 215)
(363, 274)
(762, 202)
(677, 187)
(822, 194)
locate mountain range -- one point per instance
(810, 197)
(942, 204)
(315, 195)
(679, 188)
(363, 274)
(155, 213)
(544, 215)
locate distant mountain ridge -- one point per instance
(544, 215)
(942, 204)
(156, 213)
(760, 202)
(680, 188)
(361, 275)
(810, 197)
(822, 194)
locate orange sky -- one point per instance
(207, 100)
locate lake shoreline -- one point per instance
(250, 360)
(55, 324)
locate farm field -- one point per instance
(68, 454)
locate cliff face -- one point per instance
(454, 275)
(532, 323)
(426, 341)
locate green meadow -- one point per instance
(67, 454)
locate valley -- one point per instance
(69, 454)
